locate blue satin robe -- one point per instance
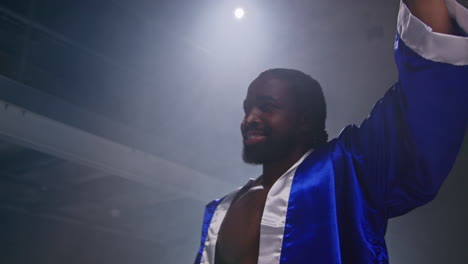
(342, 194)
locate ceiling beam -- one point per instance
(28, 129)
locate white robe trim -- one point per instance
(208, 256)
(272, 223)
(274, 216)
(432, 45)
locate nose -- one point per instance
(251, 117)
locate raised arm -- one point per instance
(433, 13)
(407, 146)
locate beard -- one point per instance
(272, 149)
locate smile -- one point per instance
(254, 137)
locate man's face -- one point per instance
(270, 124)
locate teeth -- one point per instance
(254, 136)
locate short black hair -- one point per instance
(310, 100)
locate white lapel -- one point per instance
(274, 216)
(272, 223)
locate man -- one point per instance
(319, 202)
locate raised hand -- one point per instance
(433, 13)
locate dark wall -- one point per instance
(437, 232)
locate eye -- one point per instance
(267, 107)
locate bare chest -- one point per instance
(239, 234)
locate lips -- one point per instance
(254, 137)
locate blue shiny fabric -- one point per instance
(343, 194)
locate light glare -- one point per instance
(239, 13)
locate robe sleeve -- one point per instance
(405, 148)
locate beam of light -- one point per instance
(239, 13)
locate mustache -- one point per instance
(255, 127)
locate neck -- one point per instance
(274, 169)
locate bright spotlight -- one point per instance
(239, 13)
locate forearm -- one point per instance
(433, 13)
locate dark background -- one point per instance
(166, 80)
